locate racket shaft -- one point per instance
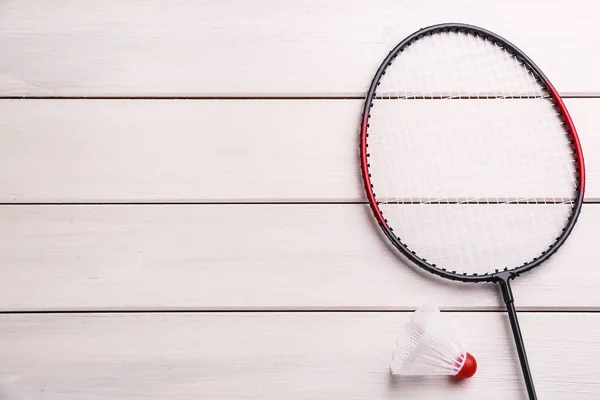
(514, 324)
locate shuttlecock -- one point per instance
(430, 347)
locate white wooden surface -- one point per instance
(216, 257)
(264, 48)
(276, 355)
(139, 203)
(199, 150)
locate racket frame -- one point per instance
(499, 275)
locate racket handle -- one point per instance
(514, 324)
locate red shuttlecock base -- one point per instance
(469, 368)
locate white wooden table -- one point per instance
(182, 216)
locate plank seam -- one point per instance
(297, 311)
(240, 97)
(227, 203)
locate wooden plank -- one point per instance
(274, 356)
(177, 151)
(299, 48)
(216, 257)
(198, 151)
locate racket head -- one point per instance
(574, 151)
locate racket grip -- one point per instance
(514, 324)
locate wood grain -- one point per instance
(314, 260)
(64, 151)
(265, 48)
(237, 257)
(178, 151)
(274, 356)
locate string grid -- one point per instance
(471, 164)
